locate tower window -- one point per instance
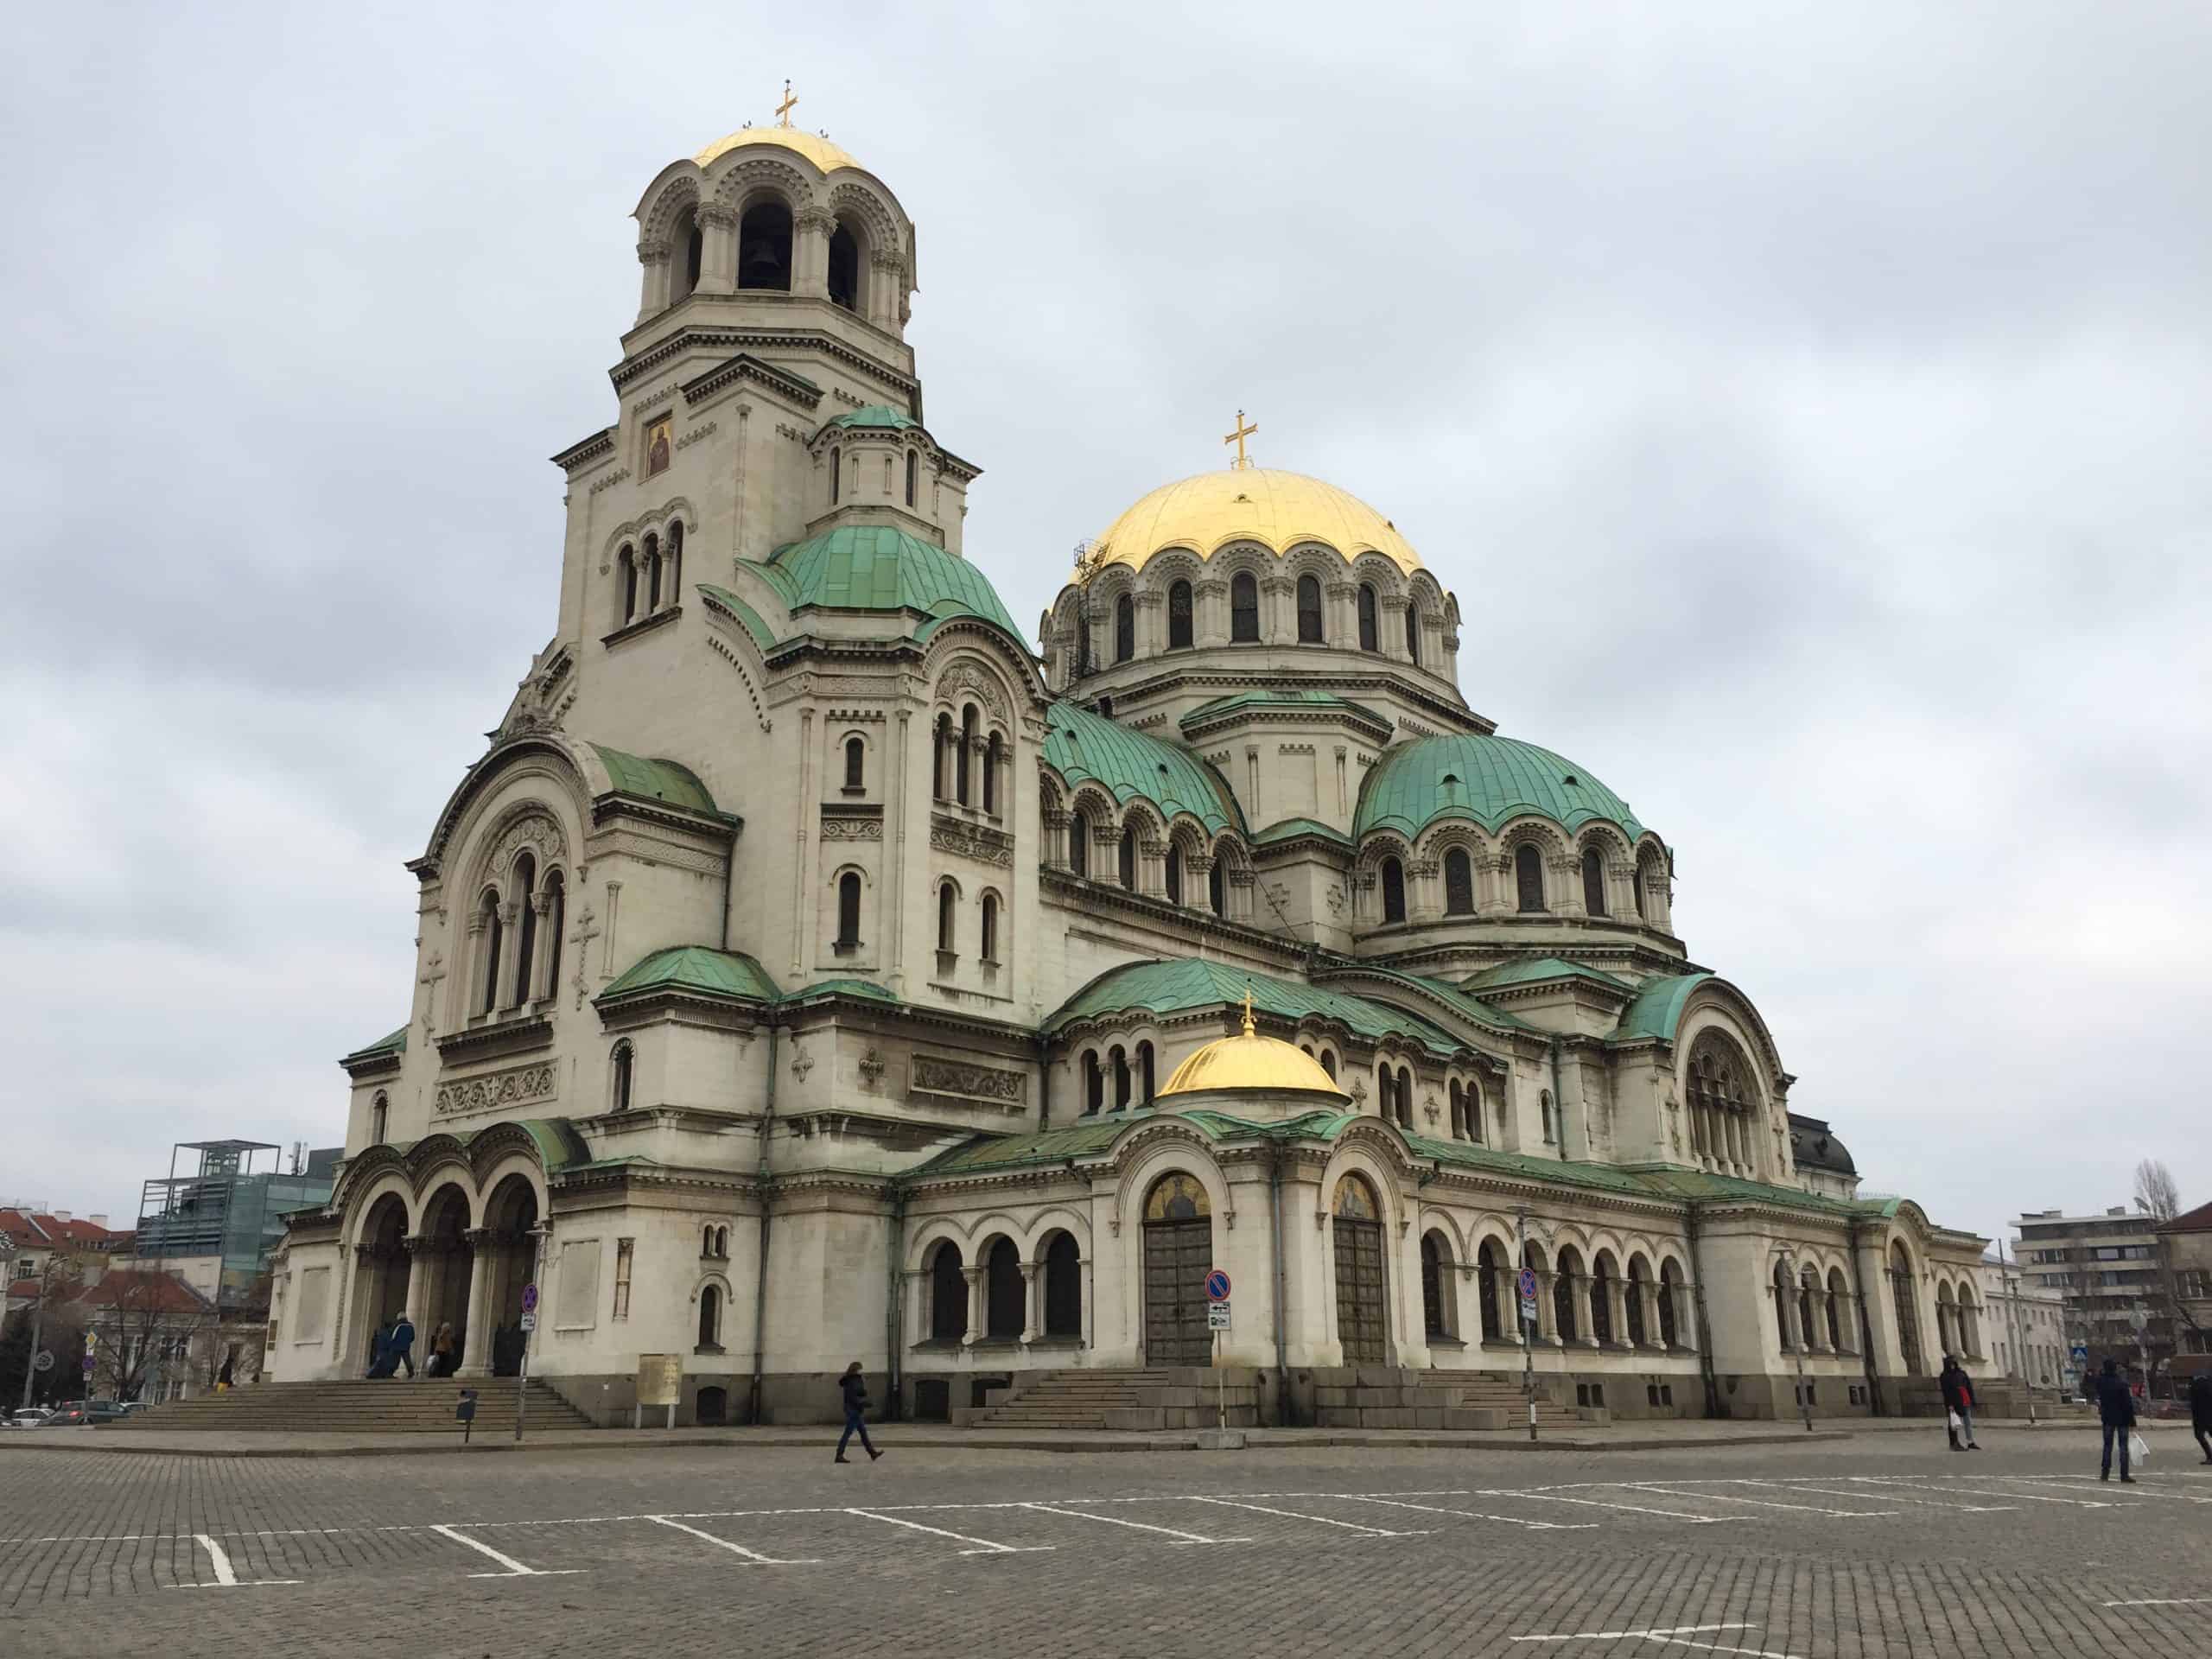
(685, 247)
(1369, 639)
(1125, 628)
(836, 475)
(1458, 883)
(1309, 610)
(961, 763)
(1174, 873)
(944, 917)
(1529, 876)
(844, 269)
(849, 910)
(913, 469)
(695, 247)
(993, 751)
(941, 745)
(625, 1069)
(629, 563)
(1178, 616)
(855, 762)
(988, 943)
(1593, 882)
(491, 931)
(672, 556)
(764, 246)
(653, 573)
(1079, 843)
(1393, 891)
(1129, 870)
(1244, 609)
(1217, 888)
(1412, 636)
(379, 1121)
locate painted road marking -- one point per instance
(1633, 1508)
(1476, 1514)
(2119, 1495)
(515, 1568)
(2164, 1601)
(227, 1577)
(1292, 1515)
(984, 1546)
(1972, 1491)
(1666, 1490)
(1929, 1503)
(1117, 1521)
(754, 1555)
(1623, 1636)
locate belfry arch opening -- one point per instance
(844, 268)
(764, 246)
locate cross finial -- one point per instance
(1237, 438)
(783, 110)
(1249, 1029)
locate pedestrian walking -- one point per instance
(2116, 1411)
(441, 1362)
(1958, 1404)
(380, 1351)
(2199, 1410)
(402, 1347)
(854, 1387)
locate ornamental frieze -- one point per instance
(984, 1084)
(498, 1091)
(852, 829)
(984, 846)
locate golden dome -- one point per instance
(1251, 503)
(1251, 1061)
(825, 156)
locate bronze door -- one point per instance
(1178, 1256)
(1360, 1318)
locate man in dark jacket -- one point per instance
(2199, 1410)
(1958, 1402)
(854, 1387)
(402, 1347)
(2116, 1410)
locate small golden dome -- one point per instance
(1251, 1061)
(1250, 503)
(826, 156)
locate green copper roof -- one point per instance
(394, 1044)
(842, 988)
(1295, 698)
(559, 1145)
(1532, 969)
(1086, 746)
(1670, 1182)
(879, 568)
(695, 968)
(877, 414)
(1291, 828)
(1183, 983)
(1486, 779)
(1558, 1171)
(763, 635)
(1454, 996)
(994, 1151)
(655, 781)
(1656, 1010)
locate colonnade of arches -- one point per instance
(1097, 839)
(1814, 1313)
(1584, 1297)
(999, 1293)
(649, 574)
(1528, 869)
(514, 933)
(450, 1260)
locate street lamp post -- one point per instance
(538, 1232)
(2012, 1320)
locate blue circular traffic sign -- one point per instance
(1529, 1283)
(530, 1299)
(1217, 1285)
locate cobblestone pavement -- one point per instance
(1885, 1544)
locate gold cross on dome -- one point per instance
(783, 110)
(1237, 438)
(1249, 1029)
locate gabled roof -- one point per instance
(1291, 828)
(1087, 748)
(2199, 1220)
(669, 782)
(1485, 777)
(876, 415)
(143, 1290)
(1534, 969)
(1183, 983)
(1304, 699)
(698, 970)
(882, 568)
(1456, 997)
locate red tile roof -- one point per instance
(2199, 1220)
(143, 1289)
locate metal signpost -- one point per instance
(1216, 1323)
(529, 1324)
(660, 1381)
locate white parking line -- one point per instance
(754, 1555)
(984, 1546)
(1972, 1491)
(1117, 1521)
(227, 1577)
(2165, 1601)
(1476, 1514)
(1927, 1502)
(1292, 1515)
(1632, 1509)
(515, 1568)
(2120, 1494)
(1665, 1489)
(1623, 1636)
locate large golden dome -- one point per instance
(1251, 1061)
(1250, 503)
(826, 156)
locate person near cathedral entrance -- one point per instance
(1958, 1404)
(402, 1347)
(441, 1362)
(854, 1387)
(380, 1360)
(2116, 1412)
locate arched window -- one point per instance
(1529, 876)
(626, 1066)
(945, 901)
(1639, 1286)
(1385, 1083)
(689, 246)
(764, 246)
(1459, 882)
(1094, 1081)
(1081, 638)
(855, 762)
(960, 759)
(1474, 1103)
(379, 1120)
(1836, 1294)
(1593, 882)
(673, 551)
(836, 475)
(849, 910)
(844, 269)
(1369, 635)
(993, 755)
(1217, 886)
(653, 573)
(711, 1318)
(1174, 873)
(1144, 1073)
(1128, 862)
(940, 758)
(1601, 1301)
(1003, 1314)
(1125, 628)
(1459, 1112)
(1670, 1284)
(1244, 609)
(989, 942)
(1563, 1320)
(1329, 1062)
(556, 920)
(1405, 1098)
(1544, 1101)
(1120, 1060)
(1393, 891)
(913, 473)
(948, 1295)
(1412, 635)
(1063, 1288)
(1636, 887)
(1780, 1290)
(1178, 616)
(1435, 1268)
(490, 931)
(1808, 1282)
(627, 560)
(1487, 1271)
(1079, 843)
(1309, 610)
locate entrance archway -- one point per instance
(1363, 1324)
(380, 1274)
(447, 1262)
(1904, 1291)
(510, 1253)
(1178, 1256)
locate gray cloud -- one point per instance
(1806, 405)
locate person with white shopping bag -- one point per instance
(1958, 1405)
(2116, 1409)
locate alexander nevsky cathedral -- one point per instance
(817, 967)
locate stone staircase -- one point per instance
(360, 1407)
(1159, 1398)
(1489, 1391)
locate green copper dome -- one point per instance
(1085, 747)
(879, 567)
(1489, 780)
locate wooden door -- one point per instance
(1361, 1322)
(1178, 1256)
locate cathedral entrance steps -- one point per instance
(1155, 1398)
(393, 1406)
(1487, 1391)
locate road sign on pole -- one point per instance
(43, 1360)
(528, 1320)
(2081, 1352)
(530, 1299)
(1217, 1285)
(1217, 1315)
(1527, 1296)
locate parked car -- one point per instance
(76, 1413)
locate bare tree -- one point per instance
(2156, 1194)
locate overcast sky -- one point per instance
(1807, 405)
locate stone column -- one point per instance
(886, 282)
(476, 1335)
(717, 248)
(418, 1247)
(1210, 606)
(1818, 1334)
(1617, 1293)
(1033, 1313)
(1547, 1306)
(652, 295)
(974, 1278)
(810, 231)
(1578, 1287)
(510, 941)
(1648, 1293)
(541, 965)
